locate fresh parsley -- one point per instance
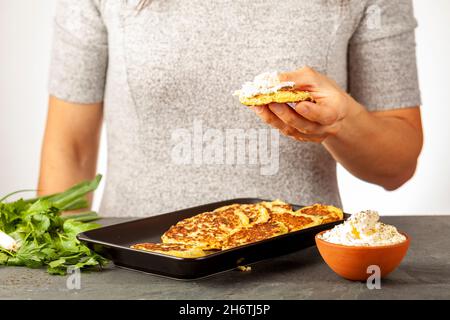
(44, 238)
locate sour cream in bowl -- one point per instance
(362, 241)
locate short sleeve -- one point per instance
(382, 57)
(79, 52)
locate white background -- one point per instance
(25, 35)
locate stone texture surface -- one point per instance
(424, 274)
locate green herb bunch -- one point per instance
(44, 237)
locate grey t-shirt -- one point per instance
(176, 136)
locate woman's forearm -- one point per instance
(380, 147)
(70, 145)
(62, 167)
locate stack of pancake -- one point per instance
(238, 224)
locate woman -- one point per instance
(160, 73)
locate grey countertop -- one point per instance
(424, 274)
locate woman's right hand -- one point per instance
(309, 121)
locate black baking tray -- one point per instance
(113, 242)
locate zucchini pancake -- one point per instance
(255, 233)
(173, 249)
(282, 96)
(322, 213)
(238, 224)
(255, 213)
(294, 222)
(207, 230)
(267, 88)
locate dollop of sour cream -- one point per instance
(265, 83)
(363, 229)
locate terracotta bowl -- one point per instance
(352, 262)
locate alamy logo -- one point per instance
(374, 280)
(73, 281)
(373, 17)
(208, 146)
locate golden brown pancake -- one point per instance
(206, 230)
(282, 96)
(277, 206)
(294, 222)
(257, 232)
(255, 212)
(323, 213)
(171, 249)
(232, 209)
(239, 224)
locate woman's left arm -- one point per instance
(379, 147)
